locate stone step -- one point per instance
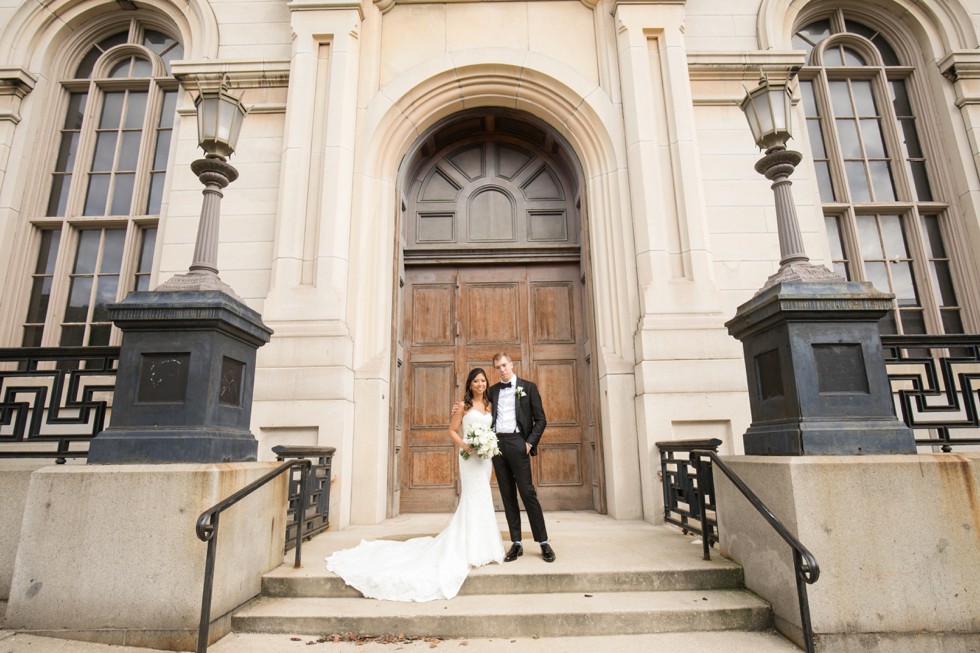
(511, 579)
(521, 615)
(695, 642)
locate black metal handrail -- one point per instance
(805, 565)
(207, 531)
(682, 485)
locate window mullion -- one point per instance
(835, 158)
(86, 152)
(60, 285)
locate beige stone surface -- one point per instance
(15, 479)
(109, 552)
(897, 539)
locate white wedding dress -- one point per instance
(430, 568)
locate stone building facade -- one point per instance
(425, 183)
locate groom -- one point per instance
(519, 421)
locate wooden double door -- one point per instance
(454, 319)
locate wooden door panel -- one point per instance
(533, 314)
(492, 313)
(432, 315)
(551, 311)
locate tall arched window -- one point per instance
(886, 214)
(98, 225)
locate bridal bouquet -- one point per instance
(483, 441)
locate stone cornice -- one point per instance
(961, 64)
(243, 74)
(15, 84)
(386, 5)
(326, 5)
(777, 65)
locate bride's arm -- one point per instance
(455, 426)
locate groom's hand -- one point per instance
(528, 445)
(456, 408)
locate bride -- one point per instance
(429, 568)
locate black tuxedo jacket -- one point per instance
(530, 413)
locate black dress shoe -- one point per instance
(547, 553)
(515, 550)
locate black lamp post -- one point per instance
(817, 380)
(187, 363)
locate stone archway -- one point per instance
(492, 261)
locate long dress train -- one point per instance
(430, 568)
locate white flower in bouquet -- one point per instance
(482, 440)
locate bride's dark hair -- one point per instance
(468, 393)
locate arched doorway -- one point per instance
(491, 243)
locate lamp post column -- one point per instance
(215, 174)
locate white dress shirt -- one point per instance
(507, 409)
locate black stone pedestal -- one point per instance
(184, 386)
(817, 379)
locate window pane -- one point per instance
(850, 145)
(122, 195)
(874, 144)
(868, 237)
(105, 152)
(48, 255)
(79, 296)
(840, 99)
(71, 336)
(825, 183)
(857, 181)
(156, 193)
(832, 57)
(67, 151)
(877, 275)
(121, 69)
(162, 152)
(884, 186)
(809, 102)
(952, 323)
(135, 111)
(87, 255)
(943, 283)
(852, 57)
(904, 287)
(129, 153)
(99, 335)
(105, 294)
(37, 309)
(834, 238)
(32, 336)
(920, 181)
(111, 110)
(169, 109)
(911, 139)
(112, 252)
(842, 270)
(58, 201)
(913, 322)
(98, 192)
(864, 98)
(887, 324)
(933, 237)
(76, 110)
(141, 67)
(146, 251)
(891, 230)
(900, 98)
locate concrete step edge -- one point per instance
(531, 583)
(543, 615)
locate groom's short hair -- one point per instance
(498, 356)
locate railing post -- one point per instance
(205, 625)
(701, 470)
(304, 477)
(804, 602)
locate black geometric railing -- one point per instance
(54, 400)
(683, 487)
(936, 380)
(311, 490)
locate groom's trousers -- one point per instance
(513, 468)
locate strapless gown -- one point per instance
(430, 568)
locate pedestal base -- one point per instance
(109, 553)
(184, 386)
(896, 538)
